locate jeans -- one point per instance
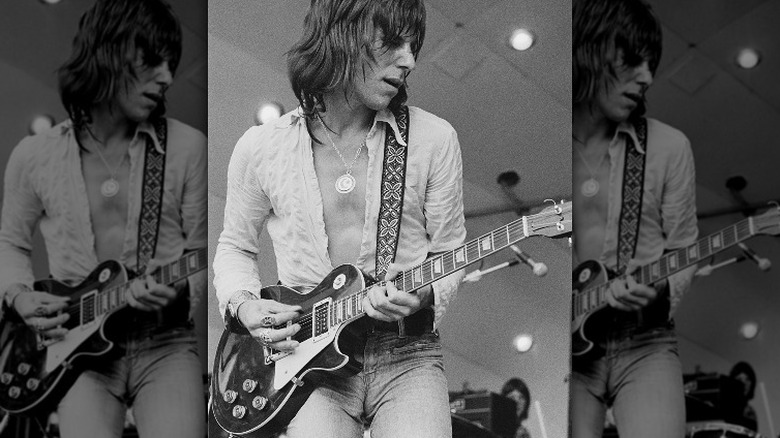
(640, 376)
(401, 392)
(159, 375)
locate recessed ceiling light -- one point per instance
(748, 58)
(523, 342)
(41, 123)
(749, 330)
(268, 111)
(521, 39)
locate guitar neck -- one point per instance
(114, 298)
(670, 263)
(443, 264)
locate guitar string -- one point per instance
(740, 228)
(306, 319)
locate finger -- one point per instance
(392, 271)
(47, 299)
(159, 290)
(381, 302)
(613, 301)
(271, 306)
(269, 336)
(284, 345)
(55, 334)
(372, 312)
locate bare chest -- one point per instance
(107, 194)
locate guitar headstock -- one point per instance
(553, 221)
(768, 222)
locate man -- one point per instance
(84, 181)
(617, 47)
(313, 177)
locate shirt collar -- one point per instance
(627, 129)
(144, 127)
(385, 115)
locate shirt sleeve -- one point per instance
(22, 209)
(444, 220)
(194, 213)
(247, 209)
(678, 211)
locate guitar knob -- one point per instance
(14, 391)
(239, 411)
(6, 378)
(230, 396)
(249, 385)
(32, 384)
(23, 368)
(259, 402)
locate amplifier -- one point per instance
(494, 412)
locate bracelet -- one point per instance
(239, 298)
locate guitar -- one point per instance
(258, 390)
(590, 283)
(34, 376)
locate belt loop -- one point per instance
(401, 328)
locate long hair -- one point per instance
(517, 384)
(337, 39)
(746, 369)
(105, 48)
(600, 29)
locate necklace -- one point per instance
(590, 187)
(346, 182)
(110, 187)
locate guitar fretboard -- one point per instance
(101, 302)
(551, 223)
(670, 263)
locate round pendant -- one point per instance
(109, 188)
(590, 187)
(345, 183)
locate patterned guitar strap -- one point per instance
(633, 188)
(392, 196)
(152, 194)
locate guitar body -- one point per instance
(255, 391)
(587, 327)
(33, 379)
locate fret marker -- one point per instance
(437, 266)
(693, 252)
(418, 276)
(193, 261)
(716, 241)
(673, 261)
(460, 255)
(485, 244)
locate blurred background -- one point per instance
(35, 39)
(731, 115)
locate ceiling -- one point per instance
(512, 113)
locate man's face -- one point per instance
(620, 98)
(381, 79)
(146, 91)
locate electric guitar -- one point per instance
(590, 310)
(257, 390)
(34, 373)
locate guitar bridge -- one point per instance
(272, 355)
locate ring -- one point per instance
(39, 327)
(268, 321)
(40, 311)
(265, 337)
